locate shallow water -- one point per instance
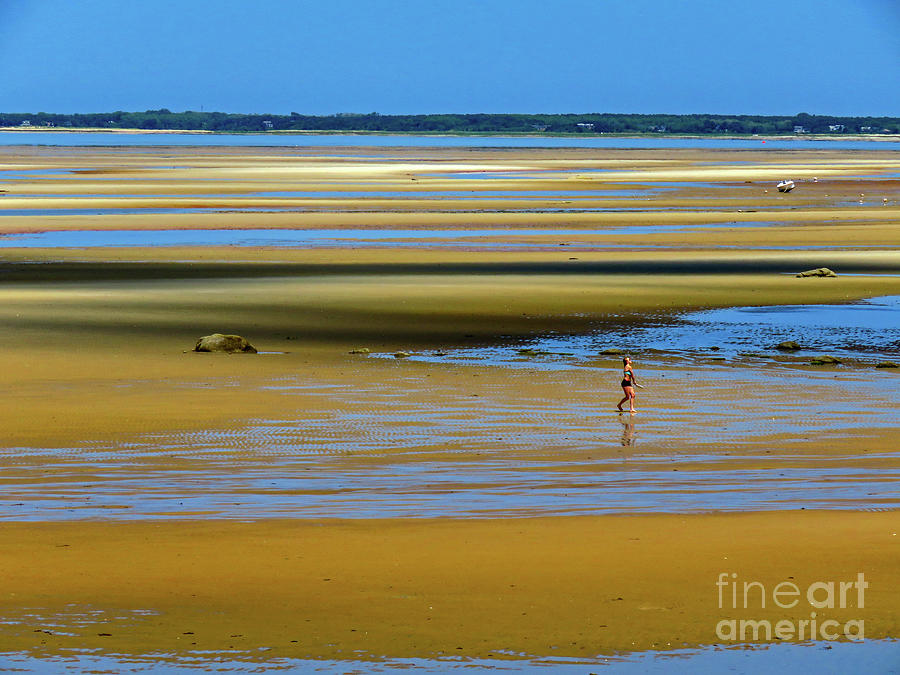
(486, 238)
(868, 330)
(356, 207)
(458, 490)
(341, 140)
(867, 656)
(375, 194)
(30, 174)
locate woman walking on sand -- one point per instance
(628, 385)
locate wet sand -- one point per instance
(371, 589)
(115, 438)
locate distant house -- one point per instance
(798, 129)
(660, 129)
(867, 129)
(268, 124)
(836, 127)
(539, 127)
(586, 126)
(25, 123)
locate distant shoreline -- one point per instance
(461, 134)
(104, 130)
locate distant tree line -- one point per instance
(593, 123)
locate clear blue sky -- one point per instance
(421, 56)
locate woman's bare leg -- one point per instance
(629, 396)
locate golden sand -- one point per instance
(343, 589)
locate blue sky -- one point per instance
(422, 56)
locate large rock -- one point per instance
(818, 272)
(230, 344)
(887, 364)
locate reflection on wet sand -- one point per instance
(628, 433)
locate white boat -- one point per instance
(785, 186)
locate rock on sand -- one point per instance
(532, 352)
(229, 344)
(818, 272)
(788, 346)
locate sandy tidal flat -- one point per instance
(470, 499)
